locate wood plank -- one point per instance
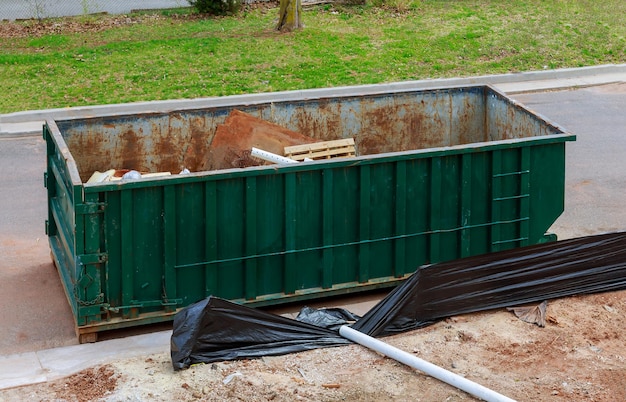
(326, 154)
(319, 145)
(322, 150)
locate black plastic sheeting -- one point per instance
(216, 330)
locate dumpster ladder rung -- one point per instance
(521, 197)
(137, 304)
(509, 241)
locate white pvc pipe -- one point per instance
(435, 371)
(270, 157)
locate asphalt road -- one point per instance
(35, 314)
(595, 173)
(23, 9)
(33, 310)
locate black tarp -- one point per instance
(215, 329)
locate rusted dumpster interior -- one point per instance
(439, 174)
(170, 142)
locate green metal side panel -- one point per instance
(249, 238)
(74, 229)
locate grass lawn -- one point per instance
(116, 59)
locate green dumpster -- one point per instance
(440, 174)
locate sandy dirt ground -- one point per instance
(578, 356)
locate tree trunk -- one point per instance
(289, 19)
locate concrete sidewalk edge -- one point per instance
(46, 365)
(30, 368)
(30, 122)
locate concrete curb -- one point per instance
(29, 122)
(14, 130)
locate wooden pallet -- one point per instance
(322, 150)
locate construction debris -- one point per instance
(535, 314)
(234, 139)
(244, 140)
(322, 150)
(241, 133)
(270, 157)
(124, 174)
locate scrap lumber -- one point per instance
(322, 150)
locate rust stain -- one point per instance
(381, 124)
(90, 149)
(196, 151)
(370, 144)
(130, 151)
(323, 124)
(165, 153)
(396, 125)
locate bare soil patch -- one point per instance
(36, 28)
(33, 28)
(87, 385)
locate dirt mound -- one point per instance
(88, 385)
